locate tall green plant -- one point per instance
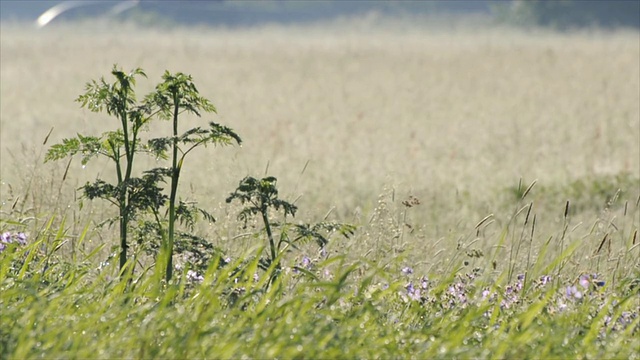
(132, 195)
(174, 96)
(261, 195)
(128, 194)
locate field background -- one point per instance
(352, 119)
(522, 148)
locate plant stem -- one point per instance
(175, 174)
(272, 245)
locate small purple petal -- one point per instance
(424, 283)
(545, 279)
(194, 276)
(22, 238)
(407, 270)
(485, 294)
(410, 288)
(572, 292)
(584, 281)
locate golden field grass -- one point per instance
(342, 115)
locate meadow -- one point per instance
(492, 177)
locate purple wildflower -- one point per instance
(406, 270)
(544, 279)
(323, 252)
(573, 292)
(6, 238)
(584, 281)
(424, 283)
(306, 262)
(414, 294)
(194, 276)
(22, 238)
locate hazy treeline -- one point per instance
(558, 14)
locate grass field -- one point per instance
(353, 121)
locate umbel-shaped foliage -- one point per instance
(120, 146)
(259, 195)
(175, 95)
(143, 195)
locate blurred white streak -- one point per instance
(63, 7)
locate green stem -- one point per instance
(124, 181)
(267, 227)
(175, 174)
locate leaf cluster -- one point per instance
(177, 91)
(321, 231)
(259, 195)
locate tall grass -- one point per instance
(357, 308)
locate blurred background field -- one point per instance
(353, 113)
(487, 152)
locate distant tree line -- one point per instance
(568, 14)
(557, 14)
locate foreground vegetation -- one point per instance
(514, 237)
(514, 292)
(329, 307)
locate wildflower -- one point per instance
(7, 238)
(414, 294)
(194, 276)
(22, 238)
(406, 270)
(584, 281)
(306, 262)
(573, 292)
(424, 283)
(256, 277)
(545, 279)
(485, 294)
(587, 281)
(410, 288)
